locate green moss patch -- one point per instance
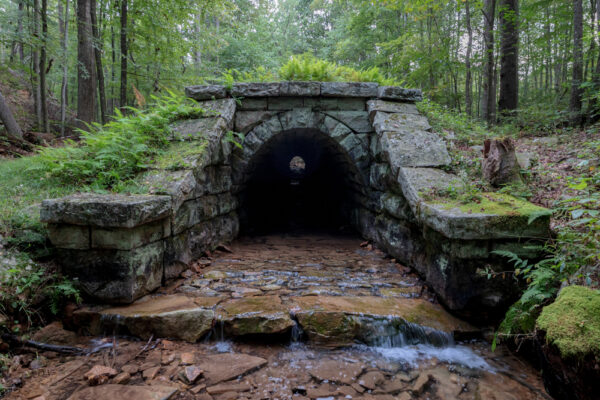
(180, 155)
(494, 204)
(572, 322)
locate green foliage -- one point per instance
(572, 322)
(306, 67)
(29, 290)
(114, 153)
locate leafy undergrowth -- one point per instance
(306, 67)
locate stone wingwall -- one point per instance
(122, 247)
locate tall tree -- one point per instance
(35, 58)
(98, 57)
(123, 97)
(63, 21)
(488, 97)
(577, 80)
(43, 51)
(86, 66)
(6, 116)
(468, 78)
(509, 62)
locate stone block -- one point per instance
(69, 236)
(115, 276)
(332, 103)
(252, 104)
(390, 107)
(180, 185)
(213, 179)
(399, 94)
(106, 210)
(349, 89)
(268, 129)
(414, 148)
(193, 212)
(256, 89)
(285, 103)
(355, 148)
(245, 121)
(396, 122)
(193, 129)
(358, 121)
(130, 238)
(397, 206)
(224, 108)
(206, 92)
(301, 118)
(177, 257)
(380, 176)
(297, 88)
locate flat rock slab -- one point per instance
(109, 210)
(411, 147)
(206, 92)
(340, 320)
(255, 315)
(336, 371)
(123, 392)
(349, 89)
(399, 94)
(390, 107)
(173, 316)
(223, 367)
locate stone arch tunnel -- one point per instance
(371, 161)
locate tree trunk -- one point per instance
(17, 48)
(500, 165)
(37, 101)
(576, 90)
(509, 63)
(86, 83)
(488, 92)
(468, 78)
(42, 67)
(123, 97)
(98, 57)
(64, 34)
(12, 128)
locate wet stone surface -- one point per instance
(258, 347)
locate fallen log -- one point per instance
(15, 340)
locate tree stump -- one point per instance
(500, 165)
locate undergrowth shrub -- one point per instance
(111, 154)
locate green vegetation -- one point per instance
(306, 67)
(572, 322)
(494, 203)
(112, 154)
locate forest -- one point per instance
(89, 90)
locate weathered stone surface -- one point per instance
(390, 107)
(206, 92)
(332, 103)
(340, 320)
(256, 89)
(193, 212)
(358, 121)
(122, 392)
(245, 121)
(99, 375)
(180, 185)
(130, 238)
(224, 108)
(285, 103)
(223, 367)
(349, 89)
(399, 93)
(213, 180)
(54, 333)
(69, 236)
(115, 276)
(413, 148)
(336, 371)
(193, 129)
(418, 181)
(174, 316)
(397, 122)
(299, 88)
(397, 206)
(356, 148)
(301, 118)
(252, 104)
(254, 315)
(111, 210)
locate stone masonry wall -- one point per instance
(122, 247)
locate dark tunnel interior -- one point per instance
(300, 180)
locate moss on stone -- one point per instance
(572, 322)
(493, 204)
(181, 155)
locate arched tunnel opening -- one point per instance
(300, 180)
